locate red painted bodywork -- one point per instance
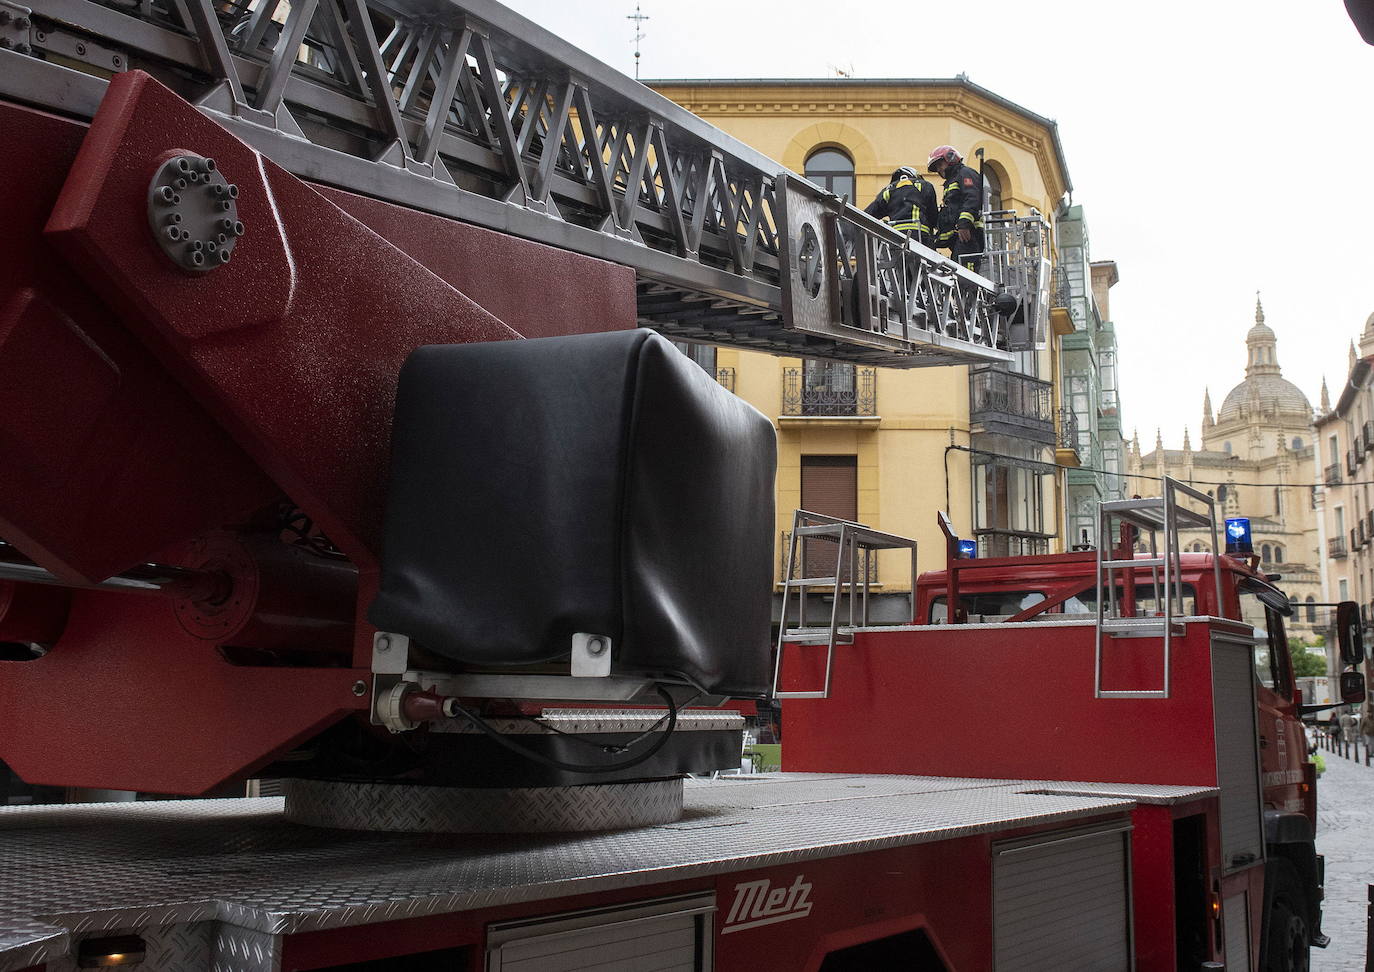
(184, 403)
(144, 407)
(944, 888)
(889, 686)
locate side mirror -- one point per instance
(1348, 633)
(1352, 687)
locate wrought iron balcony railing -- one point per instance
(1012, 404)
(1335, 548)
(830, 391)
(1060, 291)
(1333, 474)
(994, 542)
(726, 377)
(1068, 430)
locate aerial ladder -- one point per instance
(471, 112)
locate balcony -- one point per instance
(1006, 403)
(826, 390)
(993, 542)
(1335, 548)
(1333, 474)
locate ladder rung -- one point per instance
(1146, 562)
(828, 529)
(818, 636)
(1137, 627)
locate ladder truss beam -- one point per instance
(464, 109)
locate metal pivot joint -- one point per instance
(193, 213)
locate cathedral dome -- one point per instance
(1264, 384)
(1273, 392)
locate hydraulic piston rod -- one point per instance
(164, 579)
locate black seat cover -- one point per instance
(600, 483)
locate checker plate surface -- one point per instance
(457, 810)
(111, 866)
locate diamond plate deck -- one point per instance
(240, 862)
(468, 810)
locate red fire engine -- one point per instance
(287, 497)
(1116, 687)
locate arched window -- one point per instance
(1311, 609)
(1221, 490)
(831, 169)
(1278, 554)
(1266, 553)
(992, 188)
(1297, 442)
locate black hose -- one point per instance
(505, 741)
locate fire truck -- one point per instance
(345, 447)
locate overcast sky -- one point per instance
(1219, 147)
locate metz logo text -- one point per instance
(759, 903)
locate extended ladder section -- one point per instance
(1119, 575)
(465, 109)
(854, 563)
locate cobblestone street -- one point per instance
(1345, 825)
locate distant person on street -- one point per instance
(907, 203)
(1350, 726)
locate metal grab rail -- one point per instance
(1158, 514)
(465, 109)
(850, 540)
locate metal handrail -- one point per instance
(850, 538)
(465, 109)
(1161, 513)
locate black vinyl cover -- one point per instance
(597, 483)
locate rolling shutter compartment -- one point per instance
(668, 935)
(1062, 901)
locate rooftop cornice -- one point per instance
(925, 97)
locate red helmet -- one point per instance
(945, 153)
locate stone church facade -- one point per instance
(1256, 458)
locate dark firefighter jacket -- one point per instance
(908, 206)
(962, 202)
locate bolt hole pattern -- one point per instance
(193, 213)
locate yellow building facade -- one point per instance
(893, 446)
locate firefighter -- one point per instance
(960, 223)
(908, 204)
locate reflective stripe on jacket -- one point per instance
(908, 206)
(962, 202)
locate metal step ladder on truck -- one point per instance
(286, 496)
(1141, 671)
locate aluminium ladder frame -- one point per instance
(1151, 515)
(850, 538)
